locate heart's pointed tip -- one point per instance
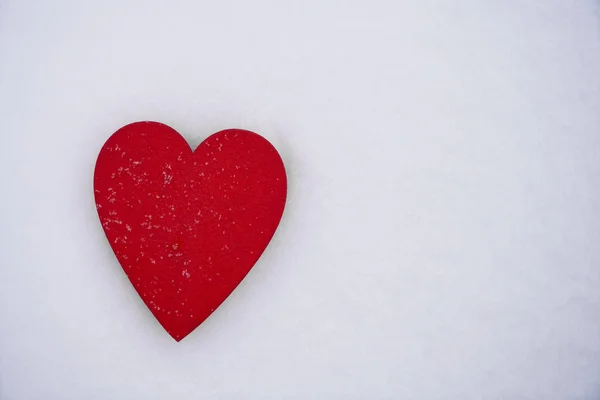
(177, 338)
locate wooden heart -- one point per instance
(187, 226)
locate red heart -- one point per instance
(187, 226)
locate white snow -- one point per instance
(441, 237)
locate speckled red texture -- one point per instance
(187, 226)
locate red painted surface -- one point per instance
(187, 226)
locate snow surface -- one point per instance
(442, 233)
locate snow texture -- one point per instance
(441, 238)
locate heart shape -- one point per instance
(187, 226)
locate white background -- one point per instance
(442, 235)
